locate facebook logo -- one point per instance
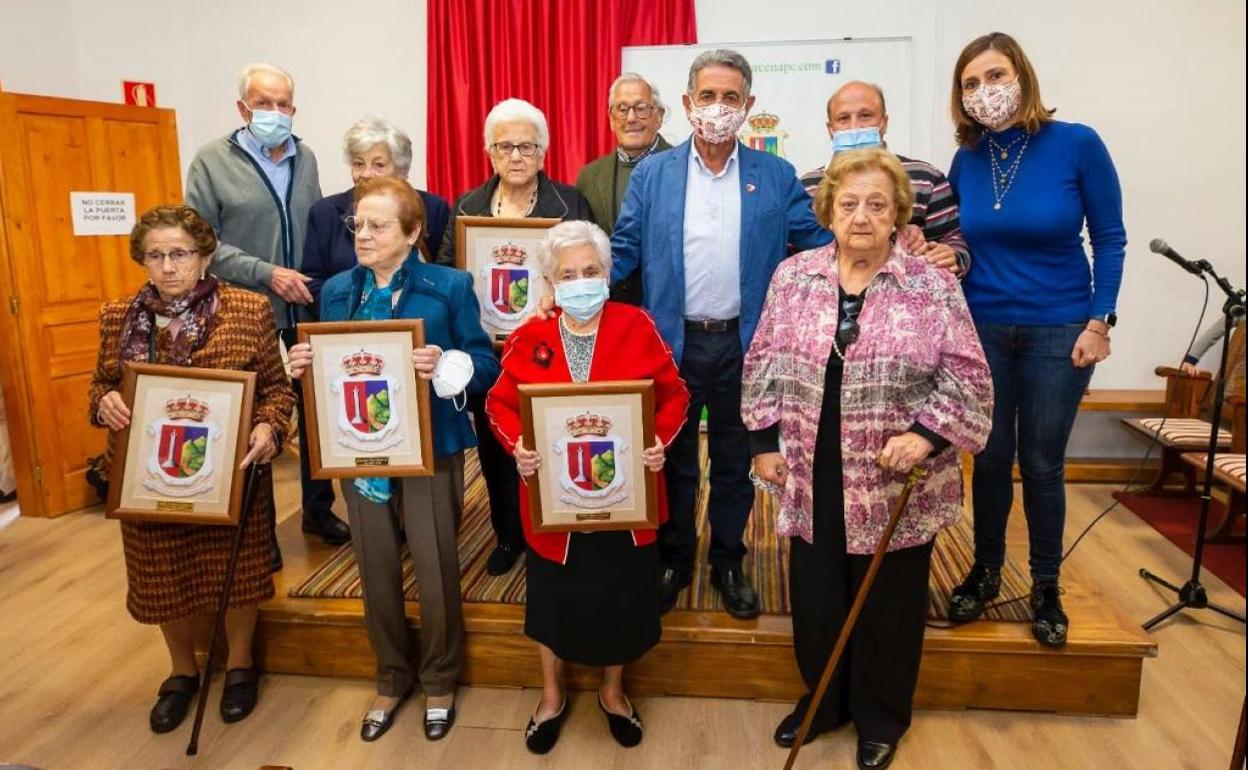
(832, 67)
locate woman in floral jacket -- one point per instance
(865, 363)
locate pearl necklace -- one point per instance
(1008, 174)
(498, 206)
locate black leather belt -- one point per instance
(711, 326)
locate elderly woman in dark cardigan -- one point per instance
(865, 363)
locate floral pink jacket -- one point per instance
(917, 358)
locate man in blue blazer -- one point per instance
(707, 222)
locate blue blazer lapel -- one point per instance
(751, 198)
(673, 185)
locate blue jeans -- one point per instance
(1037, 391)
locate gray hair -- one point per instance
(568, 235)
(721, 57)
(509, 110)
(372, 130)
(633, 77)
(246, 73)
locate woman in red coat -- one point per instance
(593, 598)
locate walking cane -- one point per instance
(842, 640)
(249, 491)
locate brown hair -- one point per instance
(1032, 111)
(854, 161)
(184, 217)
(411, 207)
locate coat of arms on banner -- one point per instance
(368, 404)
(510, 279)
(180, 464)
(592, 474)
(765, 134)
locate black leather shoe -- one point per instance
(173, 700)
(331, 529)
(671, 583)
(502, 559)
(740, 600)
(786, 731)
(873, 755)
(626, 730)
(377, 721)
(541, 737)
(438, 722)
(1050, 623)
(982, 584)
(242, 690)
(275, 561)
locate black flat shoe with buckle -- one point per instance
(173, 700)
(242, 690)
(541, 737)
(378, 721)
(626, 730)
(438, 722)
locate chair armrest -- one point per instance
(1170, 371)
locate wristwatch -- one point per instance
(1109, 319)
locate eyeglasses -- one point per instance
(643, 110)
(504, 149)
(358, 225)
(847, 328)
(179, 257)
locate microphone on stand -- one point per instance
(1159, 246)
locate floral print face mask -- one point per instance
(716, 123)
(995, 106)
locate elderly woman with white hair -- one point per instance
(516, 140)
(593, 599)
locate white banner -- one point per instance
(792, 83)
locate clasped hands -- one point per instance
(528, 461)
(900, 454)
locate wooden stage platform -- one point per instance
(993, 665)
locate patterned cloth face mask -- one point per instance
(995, 106)
(716, 123)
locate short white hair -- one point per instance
(569, 235)
(509, 110)
(246, 73)
(633, 77)
(372, 130)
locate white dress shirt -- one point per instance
(712, 233)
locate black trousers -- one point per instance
(502, 483)
(875, 681)
(711, 368)
(316, 495)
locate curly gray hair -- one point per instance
(372, 130)
(568, 235)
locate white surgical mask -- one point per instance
(856, 139)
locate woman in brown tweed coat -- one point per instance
(184, 317)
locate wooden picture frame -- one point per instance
(501, 256)
(177, 461)
(585, 421)
(358, 368)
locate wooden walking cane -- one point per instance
(249, 491)
(842, 640)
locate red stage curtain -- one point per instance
(561, 55)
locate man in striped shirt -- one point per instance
(933, 231)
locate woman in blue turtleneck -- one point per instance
(1027, 184)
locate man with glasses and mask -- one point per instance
(707, 223)
(255, 187)
(636, 112)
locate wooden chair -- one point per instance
(1183, 429)
(1228, 471)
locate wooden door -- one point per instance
(52, 282)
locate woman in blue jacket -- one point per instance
(389, 283)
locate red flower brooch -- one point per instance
(542, 354)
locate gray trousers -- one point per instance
(429, 508)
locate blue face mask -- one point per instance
(270, 127)
(581, 298)
(856, 139)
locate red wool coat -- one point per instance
(628, 348)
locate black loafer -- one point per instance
(502, 559)
(740, 600)
(275, 559)
(173, 700)
(1050, 623)
(541, 737)
(626, 730)
(331, 529)
(967, 603)
(671, 583)
(242, 690)
(378, 721)
(786, 731)
(873, 755)
(438, 723)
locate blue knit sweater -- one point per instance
(1030, 267)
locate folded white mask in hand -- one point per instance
(452, 374)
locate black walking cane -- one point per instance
(249, 491)
(842, 640)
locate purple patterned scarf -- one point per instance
(191, 315)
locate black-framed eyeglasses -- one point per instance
(642, 110)
(847, 327)
(178, 256)
(504, 149)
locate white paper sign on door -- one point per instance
(102, 213)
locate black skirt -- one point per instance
(602, 607)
